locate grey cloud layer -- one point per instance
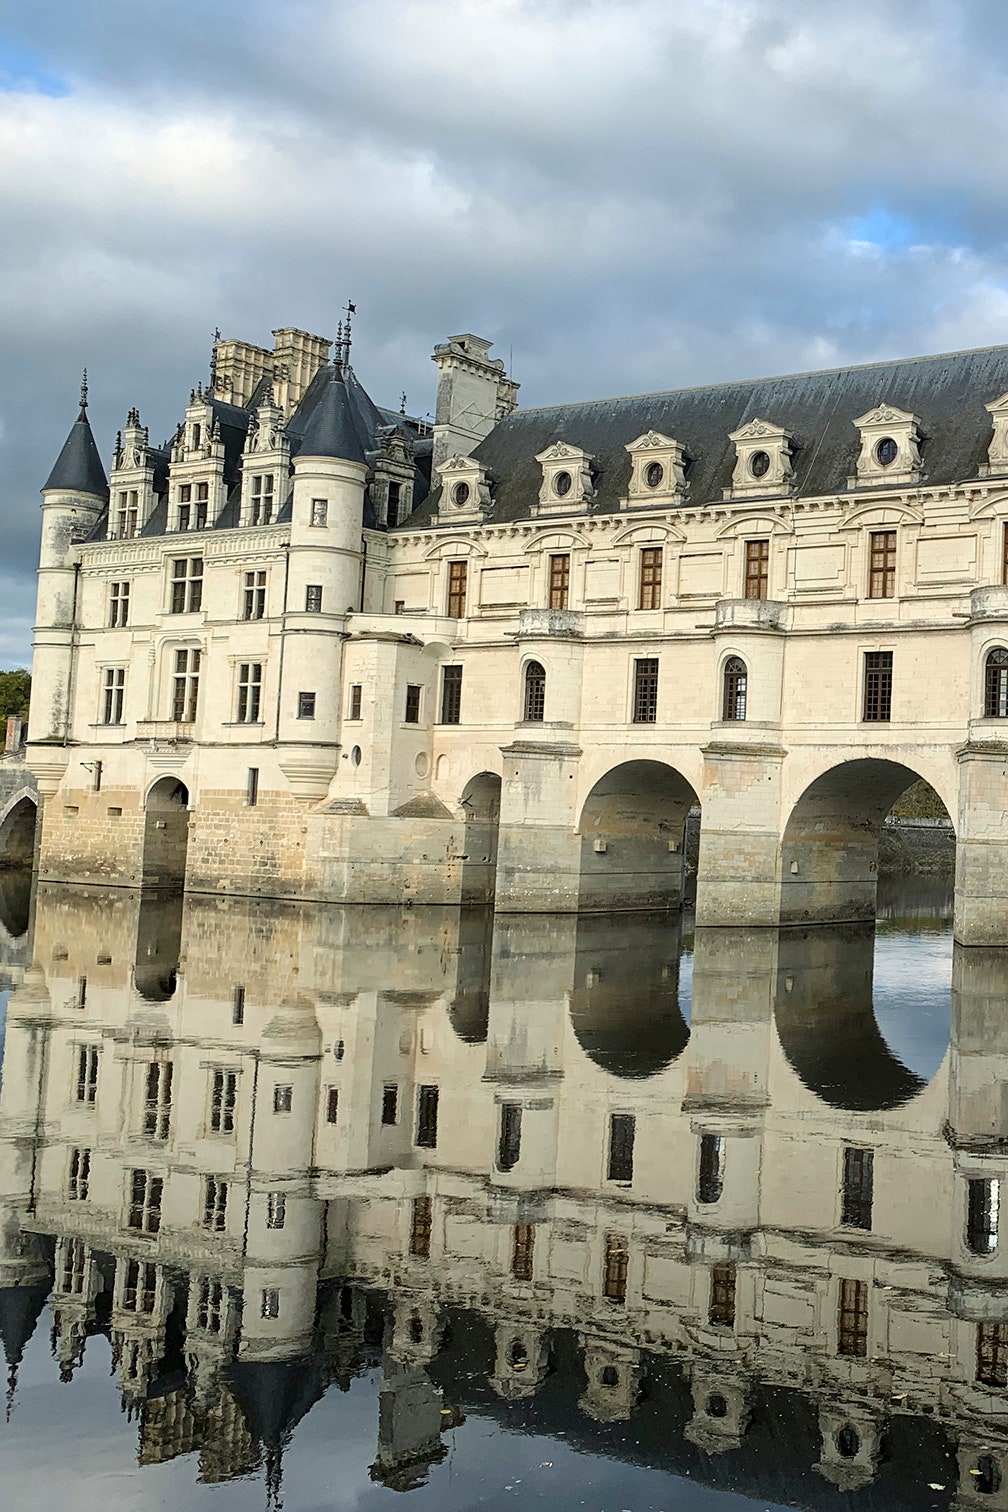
(630, 193)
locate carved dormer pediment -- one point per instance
(265, 464)
(465, 490)
(763, 462)
(567, 485)
(393, 472)
(196, 474)
(997, 451)
(890, 447)
(657, 470)
(131, 482)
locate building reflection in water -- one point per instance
(265, 1149)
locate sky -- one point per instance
(624, 195)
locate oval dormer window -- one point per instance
(886, 452)
(562, 484)
(460, 493)
(759, 464)
(653, 474)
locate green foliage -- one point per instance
(15, 690)
(920, 802)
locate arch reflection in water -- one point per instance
(315, 1196)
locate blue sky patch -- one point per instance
(22, 70)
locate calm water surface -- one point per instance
(310, 1207)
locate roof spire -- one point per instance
(83, 396)
(351, 309)
(213, 361)
(338, 353)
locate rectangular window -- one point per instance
(356, 694)
(119, 594)
(857, 1187)
(457, 574)
(249, 692)
(451, 695)
(276, 1210)
(185, 686)
(992, 1354)
(622, 1127)
(80, 1175)
(127, 508)
(145, 1202)
(158, 1100)
(413, 691)
(757, 569)
(982, 1211)
(559, 581)
(319, 512)
(115, 695)
(313, 598)
(187, 585)
(202, 504)
(509, 1142)
(1004, 555)
(262, 498)
(332, 1105)
(882, 564)
(215, 1204)
(254, 601)
(252, 787)
(394, 496)
(521, 1254)
(710, 1171)
(74, 1267)
(645, 690)
(853, 1319)
(209, 1305)
(87, 1074)
(390, 1103)
(81, 1002)
(427, 1116)
(400, 606)
(650, 578)
(877, 687)
(722, 1297)
(420, 1229)
(306, 706)
(139, 1286)
(283, 1098)
(270, 1306)
(617, 1260)
(223, 1096)
(238, 1006)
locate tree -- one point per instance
(15, 690)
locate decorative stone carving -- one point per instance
(762, 459)
(465, 490)
(890, 447)
(567, 485)
(997, 451)
(657, 470)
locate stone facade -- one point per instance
(506, 655)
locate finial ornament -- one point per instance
(213, 360)
(351, 309)
(402, 402)
(83, 396)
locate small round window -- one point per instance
(562, 484)
(886, 452)
(653, 474)
(460, 493)
(355, 755)
(759, 464)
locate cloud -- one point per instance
(630, 195)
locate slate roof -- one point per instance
(329, 423)
(78, 468)
(947, 393)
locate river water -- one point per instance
(307, 1207)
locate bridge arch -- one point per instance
(18, 819)
(829, 849)
(632, 828)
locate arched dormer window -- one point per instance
(534, 708)
(736, 680)
(996, 684)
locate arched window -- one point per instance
(736, 679)
(535, 693)
(996, 684)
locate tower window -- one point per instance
(645, 690)
(390, 1103)
(617, 1261)
(306, 706)
(413, 691)
(534, 711)
(313, 598)
(283, 1098)
(127, 511)
(420, 1229)
(982, 1210)
(276, 1210)
(992, 1354)
(521, 1254)
(996, 684)
(736, 683)
(356, 694)
(319, 512)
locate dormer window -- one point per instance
(567, 480)
(194, 502)
(890, 447)
(197, 435)
(465, 490)
(262, 498)
(763, 459)
(657, 470)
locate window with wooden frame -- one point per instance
(254, 599)
(992, 1354)
(534, 701)
(74, 1267)
(119, 596)
(114, 700)
(249, 692)
(356, 697)
(390, 1104)
(420, 1228)
(509, 1140)
(187, 585)
(427, 1118)
(858, 1186)
(158, 1100)
(276, 1210)
(645, 690)
(127, 512)
(721, 1313)
(185, 686)
(559, 580)
(215, 1204)
(617, 1262)
(78, 1180)
(736, 687)
(209, 1305)
(757, 569)
(882, 564)
(413, 694)
(139, 1286)
(262, 498)
(145, 1202)
(878, 671)
(457, 576)
(451, 695)
(649, 596)
(223, 1096)
(1004, 553)
(996, 684)
(522, 1252)
(87, 1074)
(622, 1130)
(983, 1204)
(852, 1332)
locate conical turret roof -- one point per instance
(78, 468)
(333, 428)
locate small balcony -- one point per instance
(750, 614)
(989, 603)
(162, 730)
(545, 622)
